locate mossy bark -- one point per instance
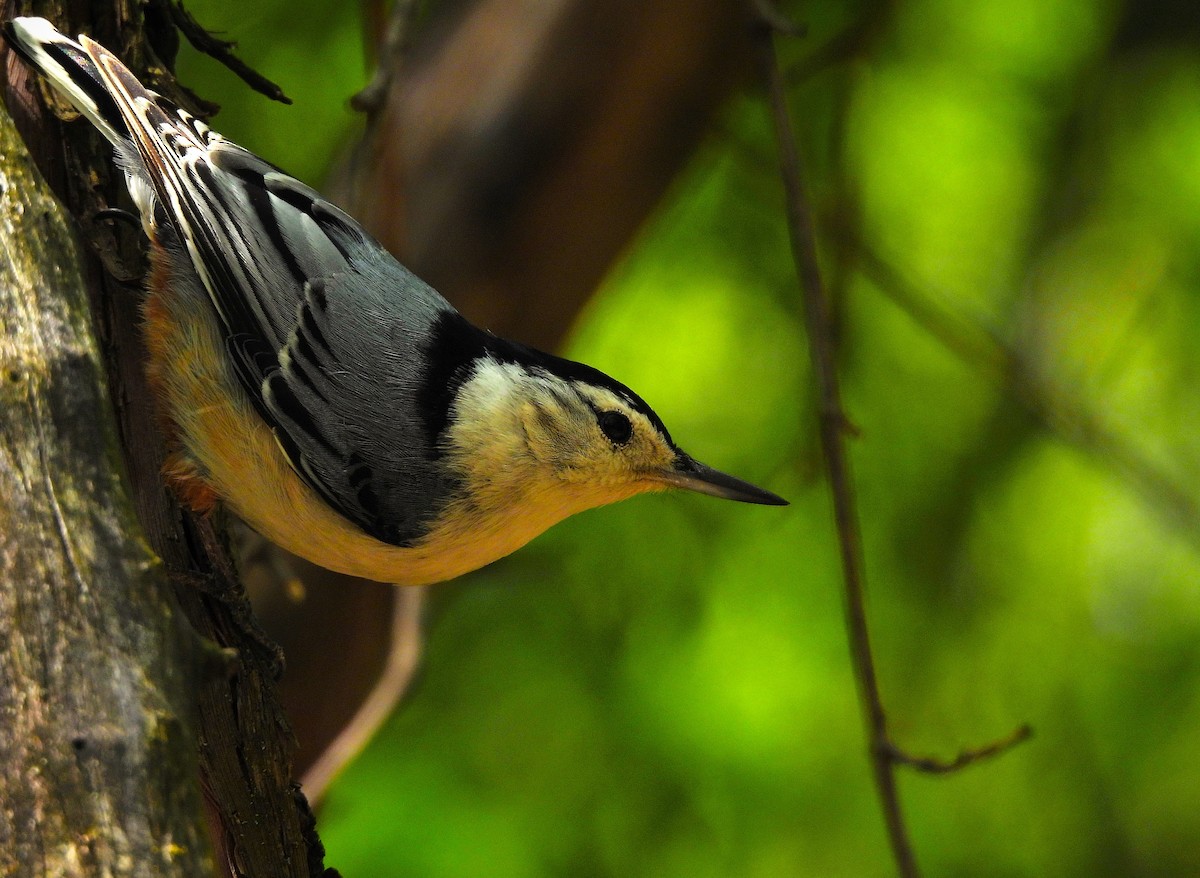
(139, 717)
(98, 756)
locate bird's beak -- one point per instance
(692, 475)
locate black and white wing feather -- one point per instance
(323, 327)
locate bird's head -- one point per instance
(548, 437)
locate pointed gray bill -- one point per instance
(692, 475)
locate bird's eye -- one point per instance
(615, 426)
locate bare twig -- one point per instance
(965, 758)
(832, 427)
(222, 51)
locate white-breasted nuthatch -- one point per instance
(333, 400)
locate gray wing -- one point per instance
(343, 399)
(324, 328)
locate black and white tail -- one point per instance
(73, 70)
(148, 132)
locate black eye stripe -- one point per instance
(615, 426)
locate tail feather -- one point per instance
(71, 69)
(150, 134)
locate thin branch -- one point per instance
(222, 51)
(965, 758)
(833, 423)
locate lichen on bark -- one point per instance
(98, 668)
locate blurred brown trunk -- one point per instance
(520, 148)
(515, 153)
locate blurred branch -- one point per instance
(965, 758)
(396, 37)
(1057, 410)
(838, 49)
(402, 662)
(776, 20)
(335, 707)
(967, 339)
(833, 423)
(520, 146)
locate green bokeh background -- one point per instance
(662, 688)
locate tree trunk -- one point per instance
(138, 696)
(98, 755)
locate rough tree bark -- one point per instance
(97, 665)
(236, 733)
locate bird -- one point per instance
(312, 384)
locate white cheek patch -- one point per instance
(484, 423)
(487, 394)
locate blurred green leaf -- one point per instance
(661, 688)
